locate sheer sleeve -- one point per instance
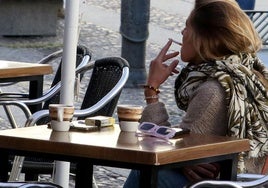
(156, 113)
(207, 110)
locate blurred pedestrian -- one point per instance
(246, 4)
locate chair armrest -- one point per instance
(86, 112)
(214, 184)
(107, 98)
(31, 121)
(51, 92)
(21, 105)
(7, 96)
(249, 176)
(84, 65)
(236, 184)
(29, 184)
(50, 57)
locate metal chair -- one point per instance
(261, 180)
(260, 21)
(243, 180)
(108, 77)
(107, 80)
(28, 185)
(52, 95)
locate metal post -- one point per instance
(62, 168)
(135, 15)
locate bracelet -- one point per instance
(151, 97)
(152, 88)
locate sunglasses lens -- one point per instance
(147, 126)
(163, 131)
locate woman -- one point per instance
(222, 89)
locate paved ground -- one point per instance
(99, 25)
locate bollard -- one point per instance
(135, 15)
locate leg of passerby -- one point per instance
(167, 178)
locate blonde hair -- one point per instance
(220, 28)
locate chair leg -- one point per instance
(94, 183)
(10, 117)
(16, 168)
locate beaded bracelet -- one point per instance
(151, 97)
(152, 88)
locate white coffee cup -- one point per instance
(129, 116)
(61, 116)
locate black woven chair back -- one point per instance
(105, 75)
(81, 52)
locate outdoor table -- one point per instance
(14, 71)
(111, 147)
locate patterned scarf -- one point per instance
(246, 96)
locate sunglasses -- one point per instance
(157, 131)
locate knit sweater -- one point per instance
(206, 114)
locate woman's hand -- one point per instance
(159, 71)
(202, 171)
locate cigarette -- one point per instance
(176, 42)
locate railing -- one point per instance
(260, 21)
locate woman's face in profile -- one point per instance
(188, 53)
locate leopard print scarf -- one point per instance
(246, 96)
